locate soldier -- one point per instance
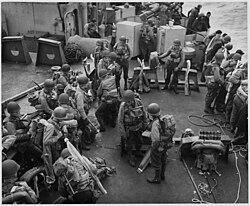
(74, 180)
(15, 126)
(47, 98)
(98, 51)
(173, 64)
(13, 191)
(65, 76)
(71, 123)
(131, 120)
(52, 147)
(107, 94)
(115, 69)
(59, 89)
(104, 62)
(83, 99)
(214, 80)
(162, 132)
(124, 53)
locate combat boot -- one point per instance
(131, 159)
(208, 110)
(163, 168)
(156, 179)
(175, 89)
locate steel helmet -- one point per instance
(60, 87)
(82, 80)
(13, 107)
(201, 15)
(129, 95)
(103, 73)
(123, 38)
(99, 43)
(229, 46)
(48, 83)
(9, 168)
(63, 98)
(59, 113)
(177, 42)
(105, 53)
(236, 57)
(65, 153)
(189, 132)
(113, 55)
(227, 39)
(154, 109)
(65, 68)
(219, 56)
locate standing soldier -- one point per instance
(98, 51)
(83, 100)
(47, 98)
(115, 69)
(104, 62)
(51, 145)
(162, 132)
(131, 120)
(192, 15)
(124, 53)
(173, 64)
(107, 94)
(214, 80)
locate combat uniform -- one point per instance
(107, 93)
(175, 60)
(124, 53)
(48, 102)
(214, 81)
(132, 120)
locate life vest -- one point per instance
(133, 116)
(207, 153)
(122, 50)
(175, 55)
(17, 122)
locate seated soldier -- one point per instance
(13, 191)
(22, 137)
(47, 98)
(105, 92)
(74, 180)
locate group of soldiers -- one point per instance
(62, 108)
(226, 80)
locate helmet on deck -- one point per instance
(13, 107)
(59, 113)
(65, 68)
(63, 98)
(219, 56)
(9, 168)
(49, 84)
(82, 80)
(177, 42)
(128, 95)
(154, 109)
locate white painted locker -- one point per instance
(166, 35)
(131, 30)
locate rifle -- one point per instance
(140, 77)
(186, 88)
(39, 87)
